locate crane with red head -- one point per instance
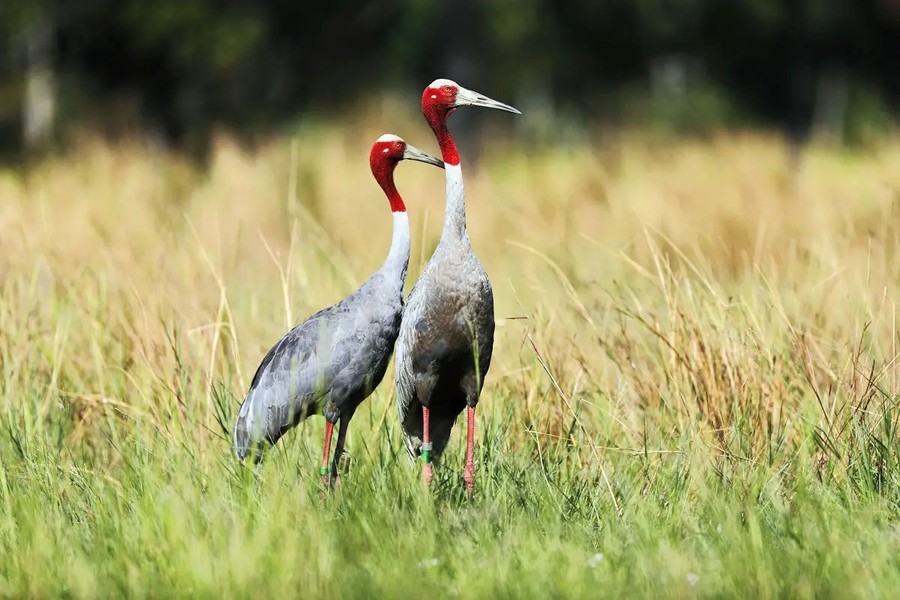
(335, 359)
(447, 333)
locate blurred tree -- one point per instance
(181, 68)
(29, 28)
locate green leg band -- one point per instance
(323, 471)
(426, 456)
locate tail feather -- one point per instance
(244, 442)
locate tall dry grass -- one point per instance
(719, 307)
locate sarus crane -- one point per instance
(335, 359)
(447, 332)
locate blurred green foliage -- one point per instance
(183, 67)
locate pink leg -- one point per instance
(426, 445)
(324, 471)
(469, 474)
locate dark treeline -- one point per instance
(180, 68)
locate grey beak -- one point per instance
(469, 98)
(413, 153)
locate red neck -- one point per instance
(383, 170)
(437, 118)
(394, 198)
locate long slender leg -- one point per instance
(426, 445)
(329, 427)
(469, 474)
(339, 447)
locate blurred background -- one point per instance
(179, 70)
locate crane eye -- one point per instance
(448, 88)
(398, 144)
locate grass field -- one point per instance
(694, 390)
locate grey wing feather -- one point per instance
(405, 379)
(402, 365)
(287, 385)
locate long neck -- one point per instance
(455, 209)
(398, 257)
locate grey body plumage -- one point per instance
(445, 343)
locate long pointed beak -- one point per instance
(466, 97)
(413, 153)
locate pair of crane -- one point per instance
(444, 333)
